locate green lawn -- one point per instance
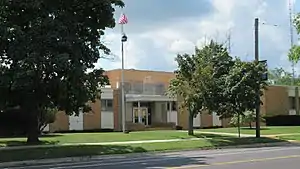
(72, 151)
(291, 137)
(134, 136)
(264, 130)
(100, 137)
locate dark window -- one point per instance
(160, 89)
(137, 87)
(174, 106)
(107, 105)
(292, 102)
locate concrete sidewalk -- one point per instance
(101, 143)
(245, 135)
(225, 134)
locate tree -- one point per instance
(196, 77)
(46, 48)
(247, 117)
(192, 75)
(46, 117)
(243, 85)
(279, 76)
(294, 52)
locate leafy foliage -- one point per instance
(242, 87)
(46, 49)
(294, 52)
(196, 75)
(246, 118)
(279, 76)
(211, 80)
(46, 117)
(297, 22)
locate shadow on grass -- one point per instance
(12, 143)
(158, 160)
(223, 140)
(24, 136)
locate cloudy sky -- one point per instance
(159, 29)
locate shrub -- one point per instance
(283, 120)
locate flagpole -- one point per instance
(122, 81)
(123, 39)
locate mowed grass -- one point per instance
(295, 137)
(264, 130)
(210, 141)
(99, 137)
(136, 136)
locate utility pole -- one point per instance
(292, 38)
(229, 41)
(256, 52)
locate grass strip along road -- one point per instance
(210, 141)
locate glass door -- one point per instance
(140, 115)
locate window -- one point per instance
(127, 87)
(107, 105)
(137, 87)
(160, 89)
(174, 106)
(292, 102)
(148, 88)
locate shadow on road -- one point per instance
(218, 141)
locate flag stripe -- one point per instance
(123, 19)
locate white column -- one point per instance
(139, 112)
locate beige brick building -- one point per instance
(147, 106)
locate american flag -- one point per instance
(123, 19)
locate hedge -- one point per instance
(283, 120)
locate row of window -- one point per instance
(107, 105)
(292, 102)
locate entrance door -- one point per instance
(76, 122)
(140, 115)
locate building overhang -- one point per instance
(148, 98)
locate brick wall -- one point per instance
(92, 120)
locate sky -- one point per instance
(158, 30)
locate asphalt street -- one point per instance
(287, 157)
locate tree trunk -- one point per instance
(191, 126)
(250, 125)
(239, 126)
(33, 128)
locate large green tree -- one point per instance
(238, 90)
(243, 85)
(199, 74)
(46, 48)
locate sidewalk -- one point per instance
(101, 143)
(224, 134)
(245, 135)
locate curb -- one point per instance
(99, 144)
(86, 158)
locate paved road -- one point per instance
(287, 157)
